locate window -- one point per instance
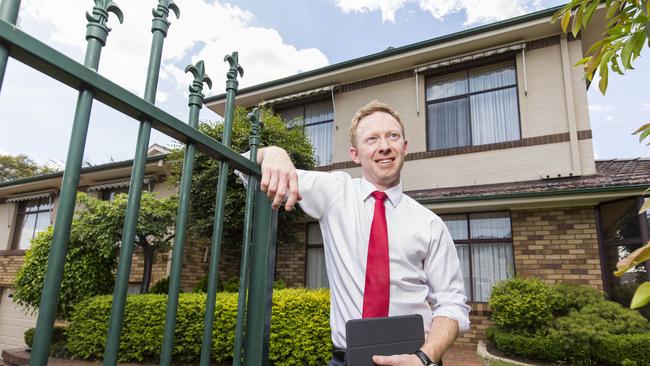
(316, 276)
(473, 107)
(318, 120)
(110, 193)
(484, 245)
(33, 217)
(622, 231)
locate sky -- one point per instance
(274, 39)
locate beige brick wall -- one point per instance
(10, 265)
(557, 245)
(158, 272)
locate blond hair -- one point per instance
(368, 109)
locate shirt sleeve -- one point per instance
(318, 191)
(446, 288)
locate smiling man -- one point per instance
(385, 253)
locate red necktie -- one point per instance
(376, 295)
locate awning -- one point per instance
(471, 56)
(301, 95)
(32, 196)
(115, 184)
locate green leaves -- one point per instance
(638, 256)
(641, 296)
(643, 132)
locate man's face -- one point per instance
(380, 149)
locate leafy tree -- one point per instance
(91, 261)
(206, 172)
(20, 166)
(626, 33)
(103, 222)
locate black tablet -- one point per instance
(382, 336)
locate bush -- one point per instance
(57, 344)
(575, 297)
(231, 285)
(160, 287)
(522, 304)
(300, 333)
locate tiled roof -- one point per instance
(609, 175)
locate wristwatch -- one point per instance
(426, 361)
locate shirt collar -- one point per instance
(394, 193)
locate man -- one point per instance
(385, 254)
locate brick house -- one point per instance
(29, 205)
(500, 146)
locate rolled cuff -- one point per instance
(453, 306)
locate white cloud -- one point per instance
(598, 108)
(204, 31)
(646, 105)
(609, 119)
(476, 11)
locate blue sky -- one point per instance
(275, 39)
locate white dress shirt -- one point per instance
(425, 276)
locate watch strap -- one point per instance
(426, 361)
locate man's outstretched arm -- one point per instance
(442, 334)
(279, 176)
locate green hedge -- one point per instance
(570, 324)
(300, 333)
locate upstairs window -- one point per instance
(34, 216)
(473, 107)
(318, 121)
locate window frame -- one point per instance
(21, 211)
(311, 246)
(474, 242)
(466, 68)
(303, 104)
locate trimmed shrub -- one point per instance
(528, 346)
(160, 287)
(300, 333)
(57, 344)
(522, 304)
(575, 297)
(231, 285)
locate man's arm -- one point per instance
(442, 334)
(279, 176)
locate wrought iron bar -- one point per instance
(9, 13)
(47, 60)
(260, 293)
(254, 142)
(213, 274)
(96, 34)
(159, 28)
(195, 103)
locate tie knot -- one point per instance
(379, 196)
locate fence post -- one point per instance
(8, 13)
(96, 34)
(213, 274)
(159, 28)
(195, 103)
(254, 141)
(260, 294)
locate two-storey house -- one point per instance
(500, 146)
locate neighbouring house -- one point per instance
(29, 205)
(500, 146)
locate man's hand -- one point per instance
(279, 177)
(397, 360)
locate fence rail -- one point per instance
(254, 312)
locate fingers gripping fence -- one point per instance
(258, 252)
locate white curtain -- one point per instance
(316, 274)
(495, 117)
(490, 225)
(463, 256)
(446, 86)
(490, 263)
(320, 136)
(448, 124)
(457, 225)
(318, 121)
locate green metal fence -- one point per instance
(258, 247)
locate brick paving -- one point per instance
(459, 355)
